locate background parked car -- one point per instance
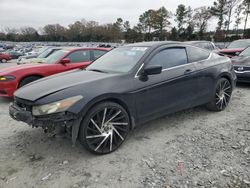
(4, 57)
(235, 47)
(241, 65)
(62, 60)
(30, 55)
(40, 57)
(14, 54)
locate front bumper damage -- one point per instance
(69, 121)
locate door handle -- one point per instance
(188, 71)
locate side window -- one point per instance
(170, 57)
(197, 54)
(79, 56)
(98, 53)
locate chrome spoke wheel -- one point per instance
(223, 94)
(106, 129)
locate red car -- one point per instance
(235, 47)
(4, 57)
(62, 60)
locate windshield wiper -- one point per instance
(97, 70)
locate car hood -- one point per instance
(231, 50)
(241, 60)
(10, 70)
(59, 82)
(33, 60)
(28, 56)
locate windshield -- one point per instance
(239, 44)
(39, 50)
(120, 60)
(46, 53)
(246, 52)
(55, 56)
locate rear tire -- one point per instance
(104, 128)
(221, 96)
(28, 80)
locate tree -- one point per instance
(181, 13)
(246, 4)
(75, 31)
(174, 34)
(230, 6)
(126, 25)
(12, 34)
(29, 34)
(219, 10)
(118, 29)
(201, 17)
(2, 36)
(182, 17)
(238, 17)
(190, 24)
(54, 32)
(160, 21)
(146, 23)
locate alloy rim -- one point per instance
(107, 129)
(223, 94)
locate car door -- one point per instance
(204, 64)
(78, 59)
(175, 88)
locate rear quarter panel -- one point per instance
(208, 73)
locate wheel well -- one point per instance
(227, 77)
(36, 75)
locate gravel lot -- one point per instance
(192, 148)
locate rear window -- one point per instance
(197, 54)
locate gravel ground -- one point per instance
(192, 148)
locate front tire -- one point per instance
(104, 128)
(222, 95)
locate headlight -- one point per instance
(55, 107)
(6, 78)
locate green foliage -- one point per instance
(201, 18)
(219, 10)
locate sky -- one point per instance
(37, 13)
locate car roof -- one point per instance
(153, 43)
(82, 48)
(196, 41)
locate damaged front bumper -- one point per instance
(68, 120)
(21, 114)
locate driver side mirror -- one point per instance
(152, 70)
(65, 61)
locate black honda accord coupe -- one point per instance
(125, 88)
